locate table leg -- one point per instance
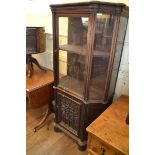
(30, 60)
(37, 63)
(48, 112)
(29, 69)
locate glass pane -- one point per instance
(72, 52)
(100, 60)
(73, 34)
(71, 72)
(120, 41)
(117, 59)
(103, 32)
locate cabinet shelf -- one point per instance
(76, 86)
(73, 49)
(71, 84)
(82, 50)
(101, 34)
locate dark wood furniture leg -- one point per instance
(30, 68)
(30, 60)
(48, 112)
(36, 62)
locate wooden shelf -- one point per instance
(101, 34)
(77, 86)
(71, 84)
(101, 54)
(73, 49)
(82, 50)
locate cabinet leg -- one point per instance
(82, 147)
(56, 129)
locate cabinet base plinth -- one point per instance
(82, 147)
(56, 129)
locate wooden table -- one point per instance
(109, 133)
(39, 91)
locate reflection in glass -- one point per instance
(103, 32)
(102, 46)
(73, 31)
(71, 69)
(72, 51)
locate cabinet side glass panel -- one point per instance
(104, 26)
(117, 59)
(72, 53)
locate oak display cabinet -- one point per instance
(88, 41)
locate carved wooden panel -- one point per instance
(68, 113)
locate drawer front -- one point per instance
(96, 147)
(68, 113)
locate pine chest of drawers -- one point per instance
(109, 133)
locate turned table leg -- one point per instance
(37, 63)
(30, 60)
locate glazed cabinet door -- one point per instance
(72, 51)
(104, 25)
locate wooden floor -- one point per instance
(46, 141)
